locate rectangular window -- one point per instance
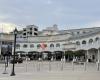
(35, 34)
(35, 29)
(24, 33)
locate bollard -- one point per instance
(72, 65)
(61, 64)
(5, 71)
(33, 65)
(26, 64)
(98, 65)
(57, 64)
(49, 66)
(84, 66)
(38, 66)
(42, 64)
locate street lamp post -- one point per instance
(7, 54)
(13, 71)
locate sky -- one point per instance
(67, 14)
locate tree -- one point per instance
(69, 55)
(79, 53)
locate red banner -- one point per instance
(43, 46)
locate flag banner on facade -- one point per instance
(43, 46)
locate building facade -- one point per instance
(54, 41)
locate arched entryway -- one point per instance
(33, 55)
(80, 55)
(92, 55)
(46, 55)
(69, 55)
(58, 55)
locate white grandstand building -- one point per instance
(54, 41)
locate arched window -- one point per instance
(97, 39)
(25, 46)
(18, 46)
(38, 46)
(83, 42)
(51, 45)
(91, 41)
(77, 43)
(31, 45)
(57, 45)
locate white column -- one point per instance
(98, 56)
(87, 56)
(64, 57)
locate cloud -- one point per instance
(93, 24)
(8, 27)
(48, 2)
(49, 12)
(3, 17)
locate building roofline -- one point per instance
(79, 29)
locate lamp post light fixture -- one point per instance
(13, 69)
